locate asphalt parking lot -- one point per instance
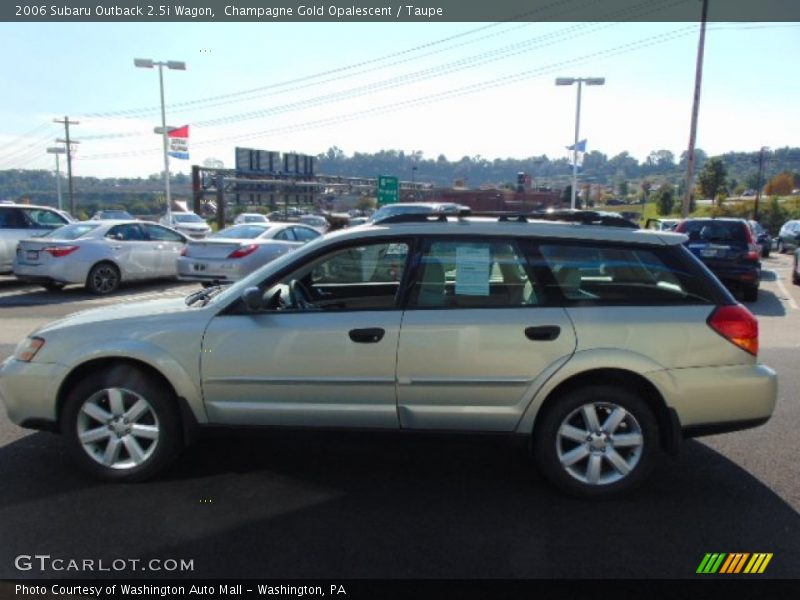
(363, 505)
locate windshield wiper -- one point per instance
(205, 295)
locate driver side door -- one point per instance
(323, 354)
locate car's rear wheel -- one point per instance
(781, 246)
(596, 441)
(103, 279)
(795, 274)
(120, 425)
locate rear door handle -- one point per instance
(544, 333)
(371, 335)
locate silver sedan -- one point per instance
(236, 251)
(99, 255)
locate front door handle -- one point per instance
(371, 335)
(545, 333)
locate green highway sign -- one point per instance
(388, 190)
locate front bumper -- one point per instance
(29, 389)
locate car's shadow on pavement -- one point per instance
(355, 505)
(768, 305)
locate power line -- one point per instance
(430, 98)
(483, 58)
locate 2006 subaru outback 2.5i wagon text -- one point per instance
(603, 345)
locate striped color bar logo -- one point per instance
(734, 563)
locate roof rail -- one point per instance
(586, 217)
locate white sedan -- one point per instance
(99, 255)
(250, 218)
(236, 251)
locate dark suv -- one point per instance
(728, 249)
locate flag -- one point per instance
(577, 151)
(179, 142)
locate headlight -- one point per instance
(28, 349)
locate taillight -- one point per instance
(184, 251)
(58, 251)
(243, 251)
(737, 325)
(753, 251)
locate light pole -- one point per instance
(148, 63)
(57, 150)
(580, 81)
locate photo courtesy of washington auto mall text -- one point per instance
(210, 590)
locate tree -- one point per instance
(665, 199)
(780, 185)
(711, 180)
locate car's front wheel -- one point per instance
(596, 441)
(120, 425)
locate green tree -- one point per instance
(711, 180)
(665, 199)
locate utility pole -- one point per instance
(66, 123)
(698, 80)
(760, 175)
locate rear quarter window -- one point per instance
(600, 274)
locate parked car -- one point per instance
(728, 248)
(789, 236)
(403, 208)
(662, 224)
(19, 221)
(112, 215)
(250, 218)
(601, 345)
(236, 251)
(189, 224)
(762, 237)
(99, 254)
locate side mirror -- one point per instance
(252, 298)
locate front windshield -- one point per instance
(71, 232)
(241, 232)
(190, 218)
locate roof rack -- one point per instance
(585, 217)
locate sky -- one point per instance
(457, 89)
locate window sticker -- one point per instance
(472, 270)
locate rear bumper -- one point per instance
(709, 400)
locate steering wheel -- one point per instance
(299, 295)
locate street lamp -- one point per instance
(148, 63)
(580, 81)
(57, 150)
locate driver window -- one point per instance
(363, 277)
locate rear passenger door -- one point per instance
(166, 246)
(478, 337)
(131, 250)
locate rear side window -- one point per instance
(467, 273)
(73, 231)
(44, 219)
(620, 275)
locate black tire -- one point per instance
(795, 276)
(549, 447)
(53, 286)
(83, 411)
(764, 251)
(103, 278)
(781, 247)
(750, 293)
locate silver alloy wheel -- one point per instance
(599, 443)
(105, 279)
(118, 428)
